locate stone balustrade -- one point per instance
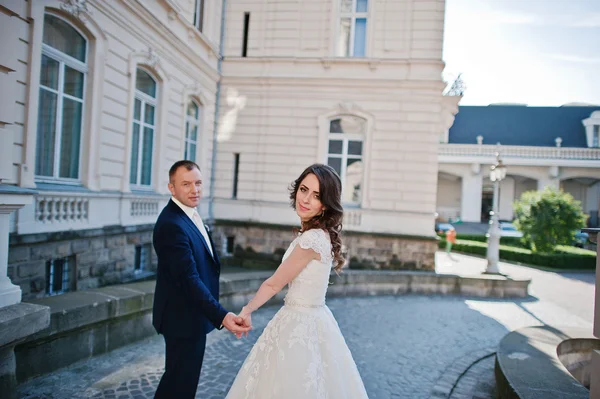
(513, 151)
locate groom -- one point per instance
(186, 306)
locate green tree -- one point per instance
(548, 218)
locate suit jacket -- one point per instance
(187, 281)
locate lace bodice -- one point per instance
(310, 286)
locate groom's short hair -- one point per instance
(189, 165)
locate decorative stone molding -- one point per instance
(153, 59)
(77, 8)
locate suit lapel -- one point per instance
(193, 227)
(215, 257)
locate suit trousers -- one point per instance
(183, 363)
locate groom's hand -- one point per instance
(235, 324)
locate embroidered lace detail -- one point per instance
(290, 302)
(318, 241)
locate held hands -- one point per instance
(236, 325)
(246, 321)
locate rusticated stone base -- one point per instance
(393, 252)
(96, 258)
(261, 246)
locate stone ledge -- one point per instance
(21, 320)
(528, 365)
(88, 323)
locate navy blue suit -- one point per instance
(186, 306)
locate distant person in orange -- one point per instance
(450, 240)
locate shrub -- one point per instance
(564, 257)
(548, 218)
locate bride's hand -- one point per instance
(246, 316)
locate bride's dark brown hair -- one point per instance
(330, 195)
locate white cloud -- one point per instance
(575, 58)
(588, 21)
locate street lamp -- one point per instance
(497, 174)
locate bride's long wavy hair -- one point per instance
(330, 195)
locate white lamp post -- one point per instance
(497, 174)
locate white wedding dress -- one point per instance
(301, 353)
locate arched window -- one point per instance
(345, 155)
(193, 120)
(144, 125)
(61, 101)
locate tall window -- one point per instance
(144, 124)
(199, 14)
(596, 136)
(345, 155)
(192, 124)
(60, 110)
(353, 28)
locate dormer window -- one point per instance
(592, 129)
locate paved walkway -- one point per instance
(419, 341)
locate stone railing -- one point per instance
(514, 151)
(352, 218)
(144, 207)
(61, 209)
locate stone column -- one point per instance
(470, 206)
(551, 180)
(595, 372)
(17, 320)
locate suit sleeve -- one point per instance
(182, 269)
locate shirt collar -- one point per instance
(188, 211)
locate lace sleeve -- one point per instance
(317, 240)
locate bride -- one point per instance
(301, 353)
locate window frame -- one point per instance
(353, 15)
(144, 100)
(190, 122)
(66, 282)
(64, 60)
(199, 11)
(142, 258)
(344, 156)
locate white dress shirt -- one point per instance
(193, 214)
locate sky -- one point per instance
(535, 52)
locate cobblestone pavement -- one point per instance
(403, 346)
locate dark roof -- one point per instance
(521, 125)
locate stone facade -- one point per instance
(262, 246)
(277, 95)
(95, 258)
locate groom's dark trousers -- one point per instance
(185, 300)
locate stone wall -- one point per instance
(383, 251)
(96, 258)
(262, 246)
